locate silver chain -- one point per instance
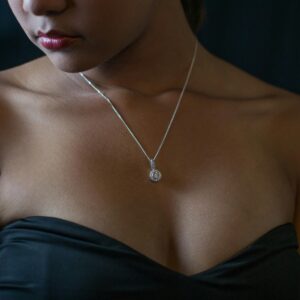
(155, 175)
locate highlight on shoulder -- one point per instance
(20, 76)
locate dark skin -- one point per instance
(66, 154)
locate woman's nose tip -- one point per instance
(44, 7)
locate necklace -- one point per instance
(154, 174)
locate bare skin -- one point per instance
(227, 162)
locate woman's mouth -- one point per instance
(55, 40)
(56, 43)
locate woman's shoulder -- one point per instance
(17, 86)
(245, 93)
(27, 87)
(14, 85)
(26, 76)
(222, 78)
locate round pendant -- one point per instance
(155, 175)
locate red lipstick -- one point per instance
(56, 40)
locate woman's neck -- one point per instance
(158, 60)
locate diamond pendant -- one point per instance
(155, 174)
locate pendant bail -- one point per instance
(152, 163)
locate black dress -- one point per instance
(49, 258)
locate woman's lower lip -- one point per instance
(56, 43)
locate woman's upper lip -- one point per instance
(54, 33)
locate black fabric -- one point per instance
(45, 257)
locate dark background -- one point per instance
(261, 37)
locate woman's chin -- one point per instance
(69, 65)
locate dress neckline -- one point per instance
(281, 228)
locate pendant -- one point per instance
(155, 174)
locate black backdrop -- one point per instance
(261, 37)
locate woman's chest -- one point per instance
(218, 174)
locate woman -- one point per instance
(82, 215)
